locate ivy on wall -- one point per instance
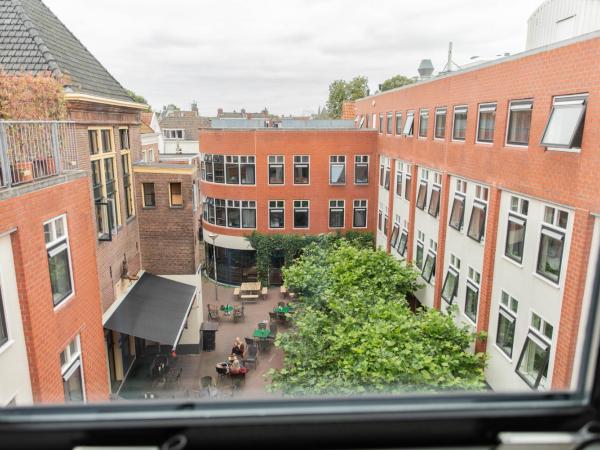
(290, 246)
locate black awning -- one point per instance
(155, 309)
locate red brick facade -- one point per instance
(49, 329)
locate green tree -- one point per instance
(136, 98)
(341, 91)
(354, 331)
(395, 82)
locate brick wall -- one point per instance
(48, 330)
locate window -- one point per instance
(552, 241)
(389, 127)
(276, 165)
(450, 286)
(336, 213)
(232, 169)
(471, 301)
(399, 184)
(301, 209)
(59, 259)
(337, 169)
(533, 363)
(248, 169)
(519, 122)
(419, 255)
(565, 124)
(477, 223)
(398, 123)
(505, 333)
(72, 372)
(220, 212)
(434, 201)
(379, 220)
(3, 328)
(381, 122)
(422, 195)
(486, 122)
(93, 141)
(385, 225)
(276, 214)
(440, 123)
(124, 138)
(407, 187)
(382, 163)
(423, 122)
(301, 169)
(408, 124)
(429, 267)
(395, 235)
(458, 212)
(149, 196)
(173, 133)
(127, 188)
(359, 214)
(459, 127)
(402, 242)
(361, 122)
(208, 164)
(248, 214)
(175, 195)
(386, 179)
(219, 168)
(515, 238)
(361, 169)
(106, 142)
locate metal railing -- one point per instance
(31, 150)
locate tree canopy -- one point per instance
(31, 97)
(341, 91)
(395, 82)
(354, 331)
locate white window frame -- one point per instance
(336, 206)
(409, 124)
(275, 160)
(358, 204)
(485, 107)
(334, 160)
(567, 101)
(73, 362)
(304, 160)
(518, 105)
(168, 132)
(457, 110)
(440, 111)
(361, 160)
(301, 207)
(57, 245)
(423, 112)
(274, 207)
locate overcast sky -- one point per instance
(282, 54)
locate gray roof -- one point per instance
(33, 39)
(190, 124)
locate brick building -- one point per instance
(489, 187)
(51, 339)
(278, 180)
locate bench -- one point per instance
(264, 292)
(249, 298)
(236, 293)
(283, 291)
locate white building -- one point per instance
(557, 20)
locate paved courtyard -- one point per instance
(195, 366)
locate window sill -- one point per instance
(458, 141)
(521, 146)
(8, 344)
(64, 302)
(563, 150)
(547, 281)
(130, 219)
(504, 355)
(176, 207)
(487, 144)
(512, 261)
(148, 207)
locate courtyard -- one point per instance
(191, 368)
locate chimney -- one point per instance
(195, 107)
(219, 112)
(425, 69)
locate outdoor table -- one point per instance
(227, 309)
(251, 287)
(261, 334)
(281, 309)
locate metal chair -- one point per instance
(249, 341)
(238, 313)
(213, 312)
(262, 326)
(251, 356)
(273, 329)
(273, 316)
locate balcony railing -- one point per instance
(31, 150)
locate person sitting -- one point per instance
(238, 348)
(236, 368)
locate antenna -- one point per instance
(448, 67)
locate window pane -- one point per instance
(419, 256)
(407, 189)
(338, 174)
(515, 240)
(3, 330)
(477, 223)
(422, 196)
(471, 302)
(361, 173)
(487, 120)
(176, 196)
(386, 183)
(518, 128)
(233, 217)
(450, 286)
(276, 219)
(550, 257)
(440, 125)
(460, 125)
(248, 218)
(220, 215)
(423, 125)
(402, 243)
(300, 218)
(505, 335)
(395, 235)
(429, 268)
(533, 363)
(301, 174)
(60, 276)
(233, 175)
(149, 199)
(336, 218)
(563, 125)
(219, 169)
(275, 174)
(360, 218)
(434, 203)
(73, 387)
(458, 212)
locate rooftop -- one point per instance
(33, 39)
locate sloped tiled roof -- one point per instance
(190, 124)
(33, 39)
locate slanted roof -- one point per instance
(156, 309)
(189, 123)
(33, 39)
